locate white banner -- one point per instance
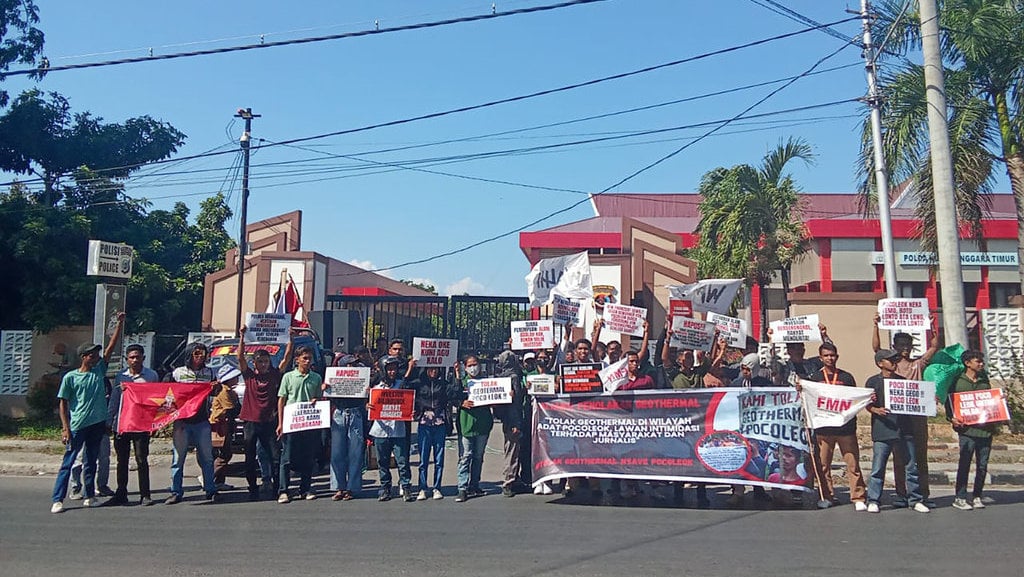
(566, 311)
(350, 382)
(490, 391)
(624, 319)
(801, 329)
(708, 295)
(692, 334)
(614, 375)
(568, 276)
(306, 416)
(832, 405)
(903, 314)
(532, 335)
(904, 397)
(773, 416)
(733, 330)
(435, 352)
(541, 385)
(268, 328)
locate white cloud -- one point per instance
(368, 265)
(464, 286)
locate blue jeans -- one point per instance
(347, 449)
(979, 448)
(299, 454)
(102, 467)
(879, 460)
(187, 435)
(400, 447)
(89, 437)
(431, 439)
(471, 461)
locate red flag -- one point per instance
(146, 407)
(293, 304)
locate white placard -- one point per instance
(614, 375)
(347, 382)
(541, 385)
(625, 319)
(733, 330)
(566, 311)
(306, 416)
(435, 352)
(267, 328)
(490, 391)
(803, 329)
(532, 335)
(903, 314)
(109, 259)
(904, 397)
(692, 334)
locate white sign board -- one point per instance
(903, 314)
(268, 328)
(490, 391)
(347, 382)
(306, 416)
(733, 330)
(692, 334)
(566, 311)
(910, 397)
(625, 319)
(801, 329)
(541, 385)
(435, 352)
(109, 259)
(532, 335)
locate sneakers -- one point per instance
(921, 508)
(462, 496)
(538, 489)
(547, 489)
(88, 502)
(76, 493)
(438, 495)
(401, 491)
(407, 495)
(145, 501)
(824, 504)
(57, 507)
(873, 507)
(284, 498)
(115, 501)
(211, 497)
(309, 496)
(977, 504)
(506, 491)
(422, 496)
(859, 506)
(384, 495)
(961, 504)
(105, 492)
(174, 498)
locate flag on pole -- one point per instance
(147, 407)
(293, 305)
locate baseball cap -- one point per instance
(87, 348)
(227, 372)
(529, 356)
(882, 354)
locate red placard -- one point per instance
(679, 308)
(391, 404)
(980, 407)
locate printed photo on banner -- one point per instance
(306, 416)
(708, 295)
(568, 276)
(832, 405)
(581, 378)
(903, 315)
(625, 319)
(347, 382)
(497, 391)
(435, 352)
(903, 397)
(392, 404)
(733, 330)
(981, 407)
(532, 335)
(680, 308)
(614, 375)
(692, 334)
(263, 328)
(541, 385)
(566, 311)
(802, 329)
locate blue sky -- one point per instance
(371, 213)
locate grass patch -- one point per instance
(30, 428)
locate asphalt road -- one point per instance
(493, 535)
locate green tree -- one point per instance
(25, 42)
(422, 286)
(983, 51)
(751, 225)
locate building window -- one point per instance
(1000, 293)
(912, 290)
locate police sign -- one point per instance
(109, 259)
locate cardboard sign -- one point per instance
(566, 311)
(708, 295)
(568, 276)
(981, 407)
(624, 319)
(904, 397)
(692, 334)
(347, 382)
(268, 328)
(903, 314)
(614, 375)
(109, 259)
(435, 352)
(679, 308)
(541, 385)
(532, 335)
(485, 392)
(306, 416)
(580, 379)
(392, 404)
(733, 330)
(802, 329)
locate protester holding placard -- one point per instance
(388, 435)
(511, 416)
(348, 439)
(890, 432)
(193, 431)
(747, 378)
(474, 426)
(300, 385)
(975, 440)
(534, 364)
(434, 394)
(259, 415)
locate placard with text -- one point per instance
(347, 382)
(904, 397)
(435, 352)
(624, 319)
(532, 335)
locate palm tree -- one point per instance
(751, 224)
(983, 50)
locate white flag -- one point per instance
(614, 375)
(568, 276)
(708, 295)
(832, 405)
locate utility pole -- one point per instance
(881, 174)
(243, 241)
(946, 227)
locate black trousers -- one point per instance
(266, 435)
(123, 444)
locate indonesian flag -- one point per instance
(287, 301)
(832, 405)
(147, 407)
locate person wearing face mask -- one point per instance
(474, 427)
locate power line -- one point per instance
(787, 12)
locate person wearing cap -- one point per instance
(125, 443)
(388, 435)
(259, 416)
(844, 436)
(890, 433)
(299, 448)
(82, 405)
(195, 430)
(348, 436)
(224, 408)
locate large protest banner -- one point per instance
(696, 435)
(692, 334)
(801, 329)
(306, 416)
(147, 407)
(581, 378)
(903, 315)
(903, 397)
(497, 391)
(531, 335)
(625, 319)
(732, 329)
(568, 276)
(708, 295)
(435, 352)
(832, 405)
(392, 404)
(980, 407)
(347, 382)
(268, 328)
